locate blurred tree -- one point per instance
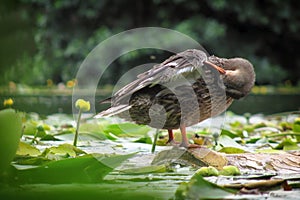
(265, 32)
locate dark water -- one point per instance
(48, 104)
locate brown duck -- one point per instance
(184, 90)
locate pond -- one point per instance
(254, 103)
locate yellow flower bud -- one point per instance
(83, 105)
(8, 102)
(71, 83)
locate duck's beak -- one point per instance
(220, 69)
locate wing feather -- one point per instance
(177, 65)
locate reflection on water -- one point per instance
(265, 104)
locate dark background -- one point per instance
(49, 39)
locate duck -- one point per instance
(185, 89)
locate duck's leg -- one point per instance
(184, 140)
(171, 137)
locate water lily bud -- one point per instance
(83, 105)
(8, 102)
(207, 171)
(230, 170)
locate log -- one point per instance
(286, 162)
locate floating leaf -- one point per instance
(229, 133)
(62, 151)
(146, 169)
(287, 144)
(126, 129)
(228, 144)
(231, 150)
(25, 149)
(199, 188)
(83, 169)
(145, 139)
(30, 127)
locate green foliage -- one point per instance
(59, 34)
(58, 163)
(199, 188)
(10, 133)
(82, 169)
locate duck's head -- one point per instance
(239, 76)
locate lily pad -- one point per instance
(25, 149)
(199, 188)
(91, 168)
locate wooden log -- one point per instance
(286, 162)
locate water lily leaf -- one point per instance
(231, 150)
(296, 125)
(288, 144)
(199, 188)
(25, 149)
(129, 129)
(30, 127)
(145, 139)
(84, 169)
(49, 137)
(29, 161)
(91, 128)
(229, 133)
(226, 141)
(62, 151)
(146, 169)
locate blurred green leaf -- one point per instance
(199, 188)
(10, 133)
(226, 141)
(25, 149)
(126, 129)
(83, 169)
(231, 150)
(229, 133)
(146, 139)
(30, 127)
(62, 151)
(288, 144)
(146, 169)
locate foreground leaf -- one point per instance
(126, 129)
(25, 149)
(199, 188)
(10, 133)
(83, 169)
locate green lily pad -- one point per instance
(91, 168)
(62, 151)
(199, 188)
(145, 139)
(128, 129)
(146, 169)
(231, 150)
(227, 144)
(288, 144)
(25, 149)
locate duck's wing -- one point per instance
(172, 69)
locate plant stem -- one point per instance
(154, 142)
(77, 128)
